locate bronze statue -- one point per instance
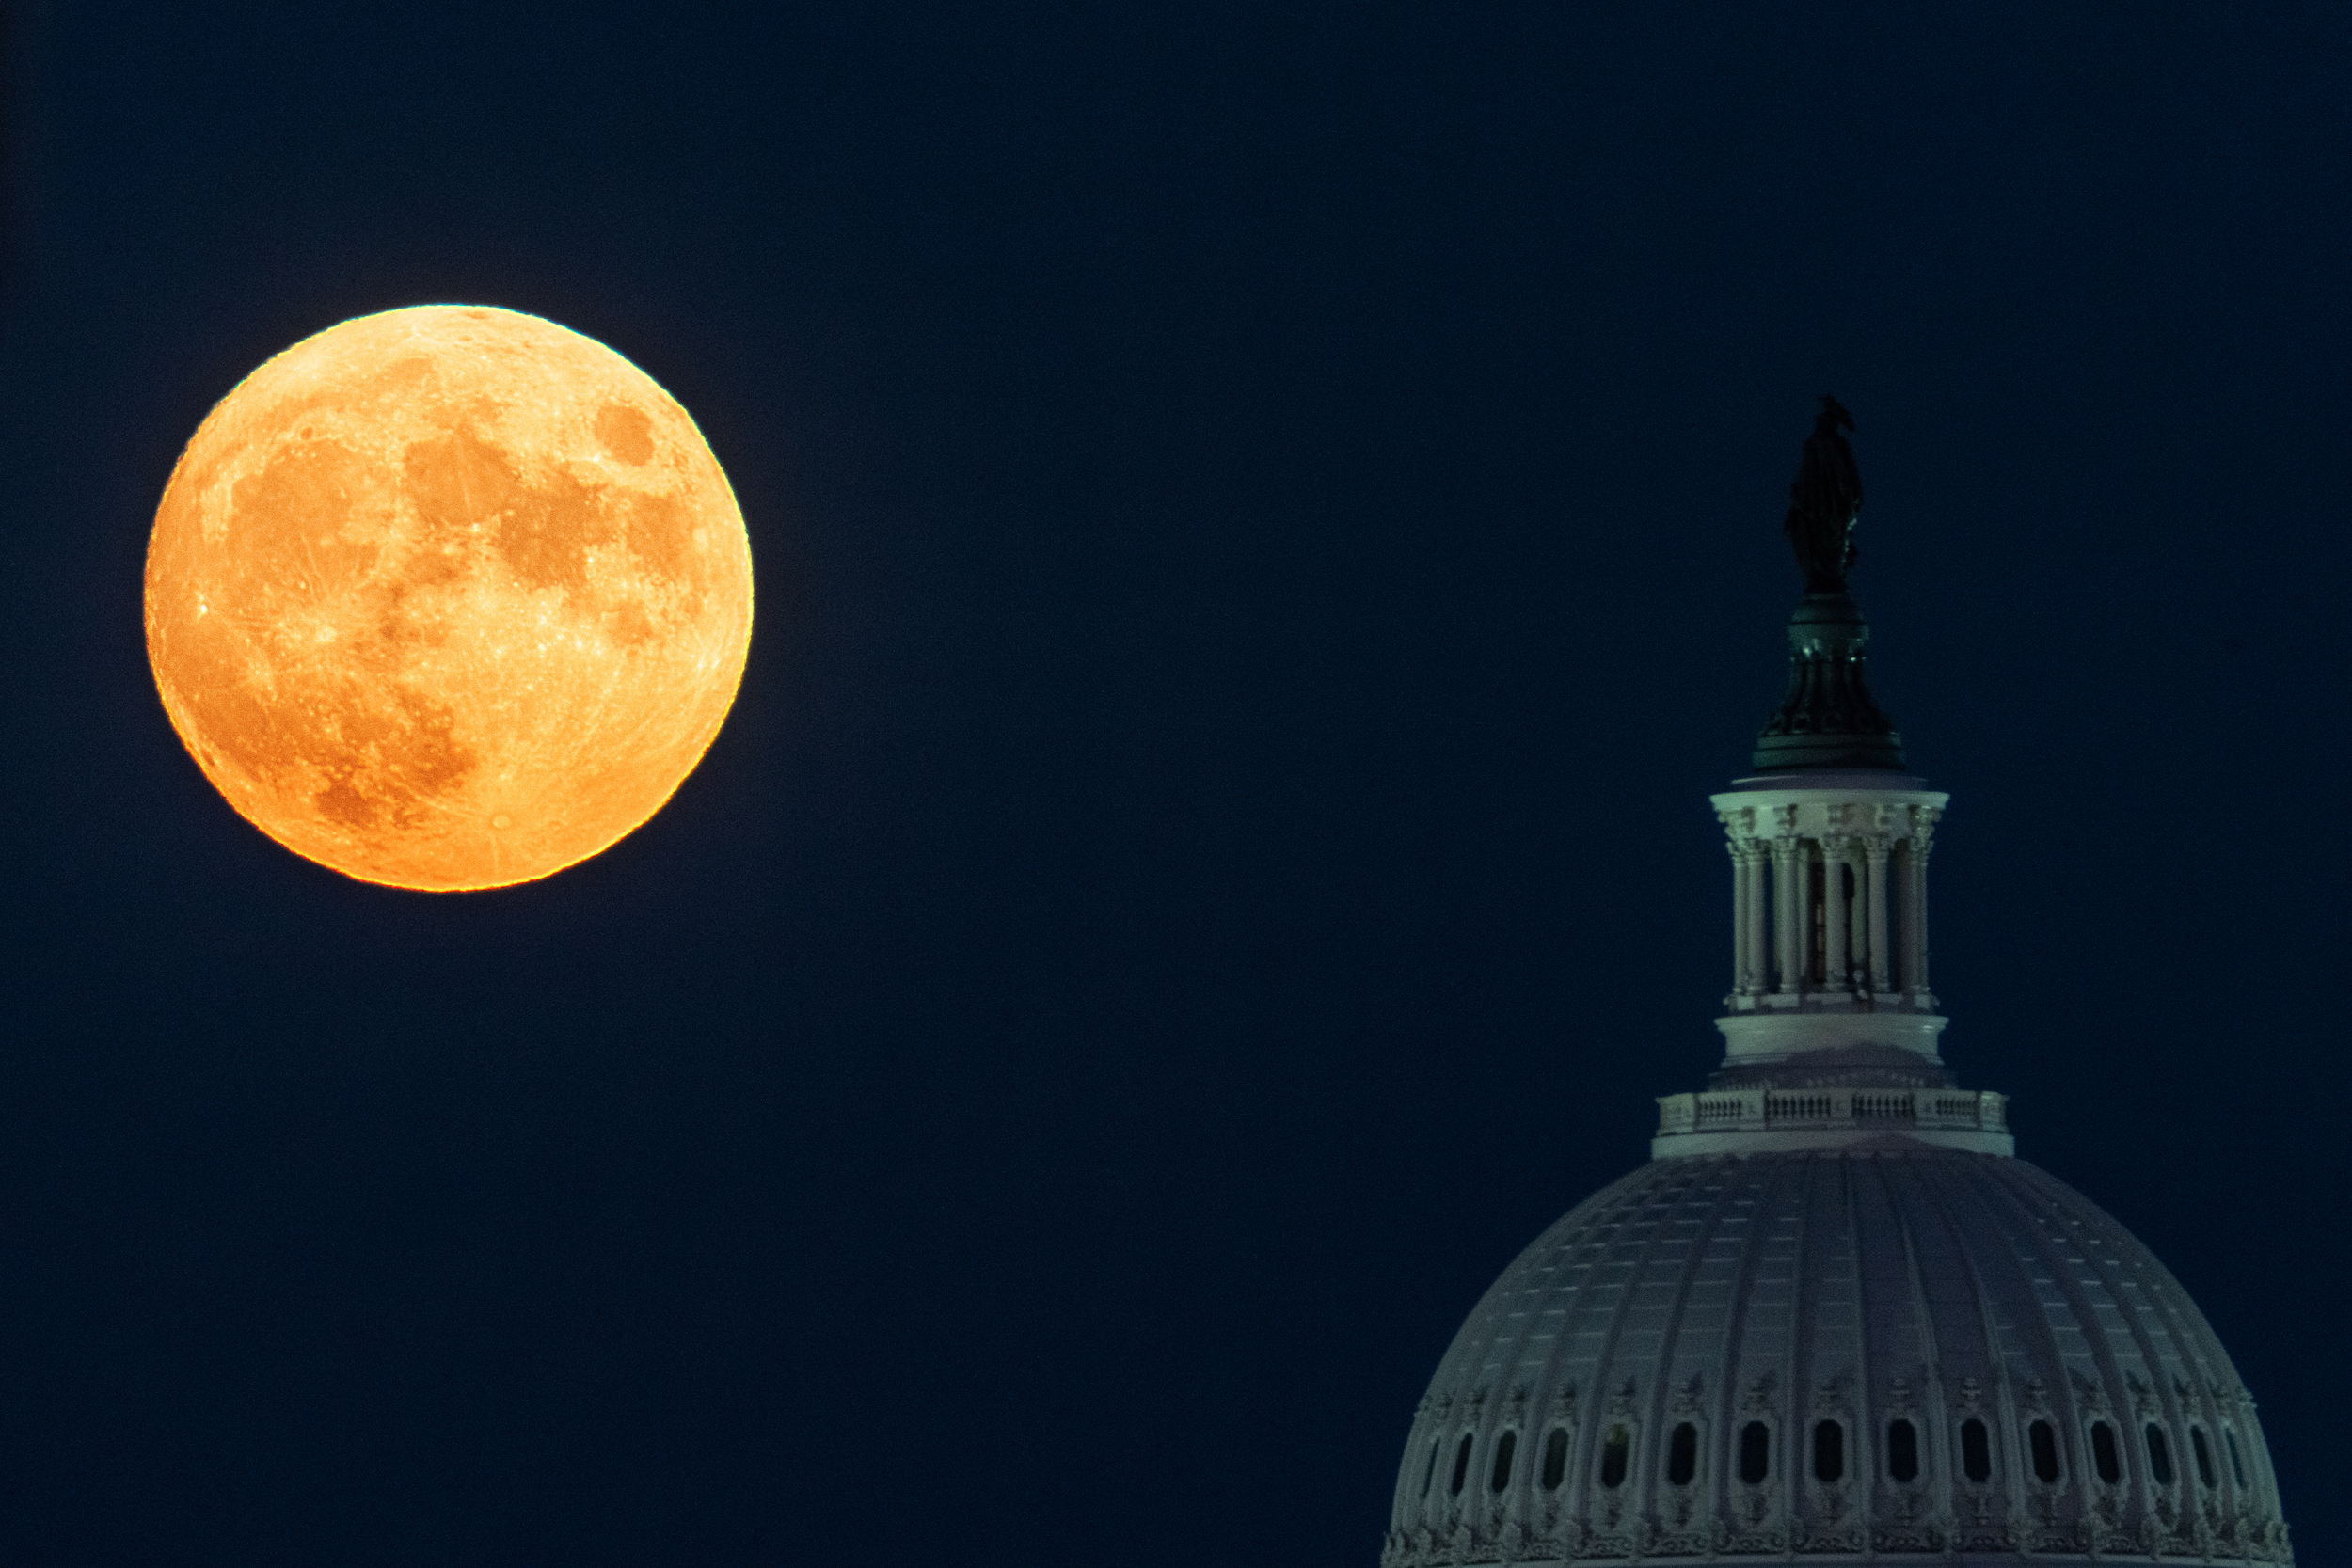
(1823, 502)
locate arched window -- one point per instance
(1431, 1473)
(1976, 1450)
(2044, 1445)
(1829, 1451)
(2237, 1465)
(1756, 1452)
(2204, 1455)
(1682, 1455)
(1505, 1445)
(2103, 1455)
(1461, 1465)
(1555, 1459)
(1613, 1455)
(2159, 1456)
(1902, 1451)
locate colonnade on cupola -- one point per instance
(1829, 893)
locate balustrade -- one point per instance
(1766, 1110)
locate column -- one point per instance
(1740, 875)
(1916, 902)
(1788, 879)
(1837, 967)
(1759, 955)
(1875, 849)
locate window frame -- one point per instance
(1984, 1441)
(2042, 1443)
(2106, 1455)
(1554, 1475)
(1829, 1432)
(1675, 1454)
(1749, 1430)
(1912, 1442)
(1506, 1460)
(1617, 1441)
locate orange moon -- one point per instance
(447, 597)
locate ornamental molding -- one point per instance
(1849, 1540)
(1758, 1399)
(1686, 1399)
(1918, 1539)
(1750, 1540)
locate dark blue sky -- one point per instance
(1268, 524)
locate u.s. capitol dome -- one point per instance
(1835, 1317)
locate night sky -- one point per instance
(1268, 524)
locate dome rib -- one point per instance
(1933, 1437)
(1605, 1391)
(1862, 1455)
(1671, 1382)
(2047, 1388)
(1738, 1322)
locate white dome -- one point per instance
(1880, 1346)
(1835, 1315)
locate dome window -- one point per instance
(1505, 1445)
(2237, 1465)
(2103, 1455)
(1902, 1452)
(1613, 1455)
(1461, 1465)
(1976, 1450)
(1756, 1452)
(1555, 1459)
(2043, 1442)
(2159, 1456)
(2204, 1455)
(1829, 1451)
(1682, 1454)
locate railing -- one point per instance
(1764, 1110)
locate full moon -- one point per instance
(447, 597)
